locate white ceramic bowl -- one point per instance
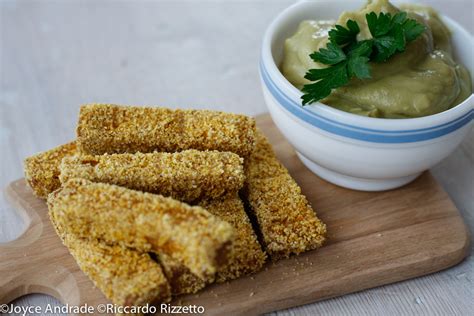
(352, 151)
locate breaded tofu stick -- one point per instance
(286, 220)
(145, 222)
(42, 170)
(125, 276)
(108, 128)
(180, 278)
(187, 176)
(245, 257)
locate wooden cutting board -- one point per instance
(374, 239)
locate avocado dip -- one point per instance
(423, 80)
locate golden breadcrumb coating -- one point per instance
(246, 255)
(287, 222)
(108, 128)
(262, 163)
(187, 176)
(144, 221)
(42, 170)
(180, 278)
(125, 276)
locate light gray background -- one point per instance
(55, 55)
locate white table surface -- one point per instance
(55, 55)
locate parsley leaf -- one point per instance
(358, 61)
(347, 57)
(331, 55)
(385, 47)
(341, 35)
(359, 67)
(399, 18)
(362, 48)
(391, 34)
(316, 74)
(399, 36)
(412, 29)
(378, 26)
(336, 77)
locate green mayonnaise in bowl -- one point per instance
(421, 80)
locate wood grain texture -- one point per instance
(55, 55)
(374, 239)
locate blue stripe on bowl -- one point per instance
(360, 133)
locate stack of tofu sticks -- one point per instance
(151, 201)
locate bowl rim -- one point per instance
(269, 70)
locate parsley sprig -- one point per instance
(347, 57)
